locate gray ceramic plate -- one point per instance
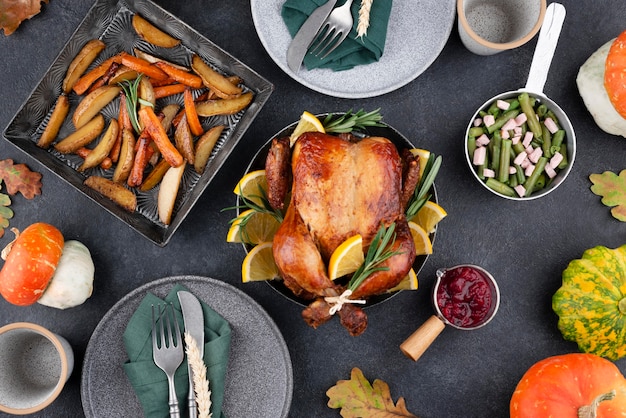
(259, 381)
(110, 21)
(417, 32)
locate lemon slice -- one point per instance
(424, 156)
(252, 227)
(423, 246)
(307, 123)
(249, 186)
(259, 264)
(429, 216)
(408, 283)
(346, 258)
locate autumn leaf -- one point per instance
(14, 12)
(19, 178)
(612, 188)
(6, 213)
(358, 399)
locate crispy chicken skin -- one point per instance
(341, 188)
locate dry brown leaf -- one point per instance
(14, 12)
(357, 398)
(19, 178)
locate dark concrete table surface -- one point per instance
(525, 245)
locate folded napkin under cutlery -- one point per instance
(352, 51)
(149, 382)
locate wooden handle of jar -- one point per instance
(414, 346)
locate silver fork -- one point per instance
(334, 30)
(167, 355)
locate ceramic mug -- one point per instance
(34, 366)
(487, 27)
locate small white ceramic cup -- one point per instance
(487, 27)
(34, 366)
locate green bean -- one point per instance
(518, 148)
(521, 177)
(493, 109)
(471, 146)
(505, 161)
(476, 131)
(547, 141)
(563, 152)
(500, 187)
(542, 109)
(531, 116)
(541, 182)
(529, 185)
(502, 119)
(557, 140)
(496, 146)
(512, 180)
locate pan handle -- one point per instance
(418, 342)
(546, 45)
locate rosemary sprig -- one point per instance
(351, 121)
(263, 207)
(378, 252)
(422, 191)
(131, 90)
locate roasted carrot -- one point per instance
(184, 77)
(105, 78)
(142, 155)
(192, 116)
(89, 78)
(152, 124)
(169, 90)
(142, 66)
(165, 82)
(83, 152)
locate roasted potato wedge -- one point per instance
(101, 151)
(169, 113)
(123, 73)
(127, 155)
(204, 147)
(155, 175)
(61, 109)
(153, 60)
(184, 140)
(81, 61)
(82, 136)
(146, 91)
(214, 80)
(168, 192)
(152, 34)
(114, 191)
(224, 106)
(93, 103)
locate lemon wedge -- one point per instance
(424, 156)
(408, 283)
(250, 186)
(429, 216)
(259, 264)
(346, 258)
(307, 123)
(423, 246)
(252, 227)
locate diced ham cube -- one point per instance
(489, 120)
(520, 190)
(518, 130)
(520, 119)
(504, 105)
(504, 134)
(515, 140)
(509, 125)
(556, 159)
(529, 170)
(528, 138)
(529, 149)
(478, 121)
(550, 171)
(479, 156)
(519, 158)
(551, 125)
(512, 170)
(525, 163)
(482, 140)
(534, 156)
(487, 172)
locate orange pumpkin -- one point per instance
(31, 263)
(578, 385)
(614, 67)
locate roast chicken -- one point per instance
(335, 187)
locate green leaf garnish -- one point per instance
(351, 121)
(131, 90)
(378, 251)
(264, 207)
(422, 191)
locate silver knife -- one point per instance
(194, 325)
(306, 34)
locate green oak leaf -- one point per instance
(612, 188)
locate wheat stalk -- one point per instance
(364, 18)
(200, 381)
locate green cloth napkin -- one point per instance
(150, 382)
(352, 51)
